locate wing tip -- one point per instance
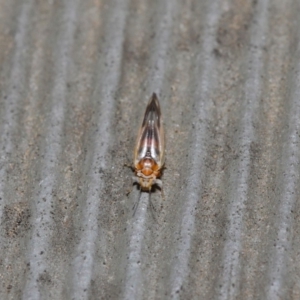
(154, 101)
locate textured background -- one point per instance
(75, 77)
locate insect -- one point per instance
(150, 147)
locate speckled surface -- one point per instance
(75, 78)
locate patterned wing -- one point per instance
(151, 141)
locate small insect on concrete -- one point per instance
(149, 149)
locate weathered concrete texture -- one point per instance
(75, 77)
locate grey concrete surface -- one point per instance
(75, 78)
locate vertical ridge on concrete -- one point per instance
(229, 280)
(134, 279)
(162, 46)
(289, 180)
(157, 75)
(13, 95)
(205, 73)
(107, 82)
(43, 196)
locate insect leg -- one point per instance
(134, 180)
(129, 166)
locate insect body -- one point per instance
(149, 149)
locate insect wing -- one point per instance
(150, 141)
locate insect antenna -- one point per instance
(152, 208)
(162, 193)
(136, 204)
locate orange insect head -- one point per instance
(147, 166)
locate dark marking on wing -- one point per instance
(152, 112)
